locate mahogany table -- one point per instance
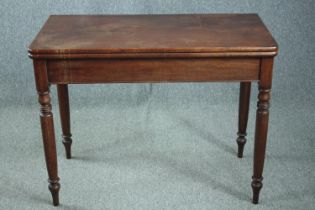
(77, 49)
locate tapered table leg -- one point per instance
(47, 126)
(64, 109)
(245, 88)
(262, 117)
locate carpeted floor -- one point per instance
(151, 153)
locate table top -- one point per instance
(220, 34)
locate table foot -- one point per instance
(241, 141)
(54, 188)
(67, 141)
(256, 186)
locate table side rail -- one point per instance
(152, 70)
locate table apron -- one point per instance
(152, 70)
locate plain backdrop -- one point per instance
(162, 123)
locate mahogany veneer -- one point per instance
(78, 49)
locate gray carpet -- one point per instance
(155, 153)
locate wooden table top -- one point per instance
(219, 34)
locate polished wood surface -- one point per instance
(243, 116)
(64, 109)
(47, 126)
(262, 118)
(160, 34)
(153, 70)
(79, 49)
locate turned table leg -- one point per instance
(47, 126)
(262, 117)
(245, 88)
(64, 109)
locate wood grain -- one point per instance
(64, 109)
(152, 70)
(245, 88)
(47, 127)
(262, 119)
(99, 35)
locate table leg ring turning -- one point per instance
(54, 188)
(256, 186)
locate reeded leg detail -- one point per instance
(245, 88)
(64, 109)
(262, 118)
(47, 127)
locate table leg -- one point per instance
(47, 126)
(262, 117)
(64, 109)
(245, 88)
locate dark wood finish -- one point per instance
(115, 34)
(153, 48)
(243, 116)
(64, 109)
(47, 126)
(153, 70)
(262, 118)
